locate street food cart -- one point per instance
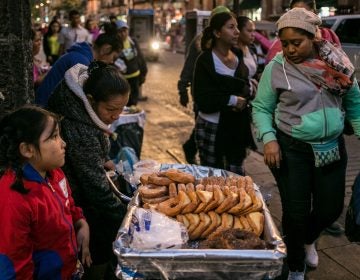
(191, 263)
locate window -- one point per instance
(349, 31)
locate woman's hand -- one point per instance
(83, 239)
(110, 165)
(241, 103)
(272, 154)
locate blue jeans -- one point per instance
(312, 197)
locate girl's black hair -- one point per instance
(216, 23)
(104, 82)
(109, 37)
(25, 124)
(310, 3)
(242, 21)
(300, 31)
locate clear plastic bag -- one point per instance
(150, 229)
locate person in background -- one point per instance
(51, 43)
(39, 70)
(90, 99)
(75, 33)
(221, 92)
(246, 44)
(42, 230)
(325, 33)
(106, 48)
(131, 62)
(303, 96)
(185, 81)
(92, 27)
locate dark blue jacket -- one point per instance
(78, 53)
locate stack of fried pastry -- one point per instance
(215, 202)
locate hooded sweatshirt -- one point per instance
(87, 150)
(78, 53)
(299, 108)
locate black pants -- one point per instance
(312, 198)
(134, 91)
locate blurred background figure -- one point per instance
(131, 62)
(93, 28)
(75, 33)
(39, 69)
(51, 43)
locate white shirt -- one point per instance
(69, 36)
(222, 69)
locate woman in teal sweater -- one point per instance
(303, 97)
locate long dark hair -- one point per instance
(49, 31)
(242, 21)
(24, 125)
(104, 82)
(216, 23)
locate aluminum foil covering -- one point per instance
(201, 264)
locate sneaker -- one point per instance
(296, 275)
(311, 257)
(335, 229)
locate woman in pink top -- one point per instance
(325, 33)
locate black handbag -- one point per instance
(352, 228)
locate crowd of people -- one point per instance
(54, 154)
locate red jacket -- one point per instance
(37, 237)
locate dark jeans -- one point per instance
(134, 91)
(312, 198)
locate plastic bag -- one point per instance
(153, 230)
(146, 166)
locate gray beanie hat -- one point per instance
(299, 18)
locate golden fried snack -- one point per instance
(215, 223)
(218, 198)
(237, 223)
(182, 219)
(256, 221)
(245, 223)
(241, 183)
(155, 200)
(181, 187)
(150, 206)
(209, 188)
(239, 207)
(205, 198)
(205, 222)
(249, 183)
(200, 187)
(173, 206)
(179, 176)
(152, 191)
(256, 206)
(195, 201)
(227, 220)
(230, 201)
(173, 192)
(158, 180)
(144, 178)
(194, 221)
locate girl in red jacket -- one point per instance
(42, 230)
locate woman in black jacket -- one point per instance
(221, 91)
(90, 99)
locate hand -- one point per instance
(83, 239)
(110, 165)
(184, 98)
(272, 154)
(241, 103)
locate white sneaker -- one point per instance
(296, 275)
(311, 257)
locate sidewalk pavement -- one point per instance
(167, 128)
